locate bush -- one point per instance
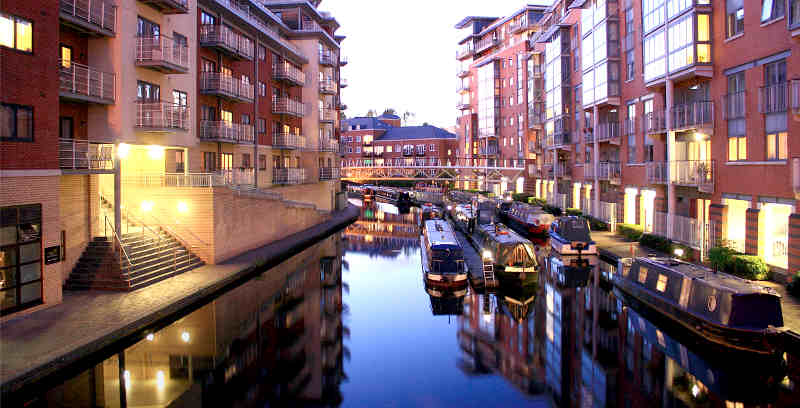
(551, 210)
(536, 201)
(595, 224)
(744, 266)
(719, 257)
(794, 285)
(656, 242)
(521, 197)
(631, 232)
(574, 211)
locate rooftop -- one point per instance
(396, 132)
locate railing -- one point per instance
(330, 145)
(327, 114)
(222, 130)
(562, 170)
(462, 72)
(773, 98)
(657, 172)
(100, 13)
(734, 105)
(116, 241)
(462, 105)
(486, 43)
(464, 52)
(588, 136)
(558, 200)
(288, 176)
(606, 212)
(79, 79)
(698, 173)
(655, 122)
(327, 58)
(175, 180)
(237, 177)
(558, 139)
(462, 87)
(289, 106)
(684, 229)
(161, 49)
(289, 72)
(795, 89)
(223, 36)
(218, 82)
(343, 60)
(692, 114)
(607, 131)
(286, 140)
(74, 154)
(329, 173)
(629, 126)
(588, 171)
(609, 170)
(242, 8)
(161, 115)
(327, 86)
(343, 83)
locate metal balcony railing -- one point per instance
(563, 169)
(629, 126)
(699, 173)
(343, 83)
(609, 170)
(329, 173)
(464, 52)
(283, 105)
(286, 176)
(169, 6)
(327, 86)
(462, 87)
(162, 53)
(85, 83)
(588, 136)
(161, 116)
(330, 145)
(221, 131)
(692, 115)
(734, 105)
(773, 98)
(226, 85)
(224, 38)
(486, 43)
(684, 229)
(288, 141)
(75, 154)
(463, 105)
(462, 72)
(289, 73)
(588, 171)
(795, 91)
(343, 60)
(96, 15)
(657, 172)
(235, 177)
(327, 58)
(607, 131)
(655, 122)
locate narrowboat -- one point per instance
(368, 193)
(446, 302)
(392, 196)
(528, 219)
(442, 255)
(511, 254)
(569, 271)
(721, 308)
(429, 212)
(570, 235)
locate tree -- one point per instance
(371, 113)
(406, 116)
(425, 124)
(389, 111)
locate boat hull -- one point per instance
(527, 228)
(564, 247)
(441, 279)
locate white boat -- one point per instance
(442, 255)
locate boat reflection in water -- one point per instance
(382, 231)
(446, 301)
(273, 341)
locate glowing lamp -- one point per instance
(123, 149)
(678, 252)
(155, 152)
(185, 337)
(147, 206)
(150, 337)
(183, 208)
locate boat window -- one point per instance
(662, 283)
(642, 274)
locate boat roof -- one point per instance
(440, 232)
(505, 235)
(719, 280)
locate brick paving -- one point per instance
(40, 344)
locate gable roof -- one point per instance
(416, 132)
(365, 122)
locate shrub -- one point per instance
(574, 211)
(595, 224)
(521, 197)
(536, 201)
(656, 242)
(551, 210)
(794, 285)
(744, 266)
(631, 232)
(719, 257)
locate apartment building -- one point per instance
(210, 114)
(643, 117)
(382, 141)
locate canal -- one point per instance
(350, 322)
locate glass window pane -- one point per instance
(732, 149)
(8, 256)
(31, 292)
(8, 299)
(702, 27)
(29, 232)
(24, 123)
(6, 31)
(8, 235)
(24, 35)
(29, 253)
(771, 154)
(782, 146)
(742, 148)
(30, 272)
(8, 277)
(703, 53)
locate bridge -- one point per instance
(460, 169)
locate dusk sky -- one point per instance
(402, 55)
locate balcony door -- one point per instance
(147, 28)
(66, 127)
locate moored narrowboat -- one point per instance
(722, 308)
(511, 254)
(442, 255)
(528, 219)
(571, 235)
(569, 271)
(392, 196)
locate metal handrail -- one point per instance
(101, 13)
(107, 224)
(84, 80)
(178, 237)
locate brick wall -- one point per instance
(75, 218)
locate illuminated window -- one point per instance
(642, 274)
(662, 283)
(66, 56)
(16, 33)
(777, 146)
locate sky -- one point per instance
(402, 54)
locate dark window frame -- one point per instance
(14, 125)
(16, 246)
(14, 20)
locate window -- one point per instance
(389, 149)
(794, 13)
(737, 138)
(245, 119)
(735, 17)
(262, 53)
(432, 147)
(179, 98)
(16, 33)
(654, 56)
(226, 116)
(20, 257)
(226, 161)
(209, 162)
(261, 125)
(246, 160)
(772, 9)
(179, 162)
(632, 136)
(652, 14)
(147, 92)
(147, 28)
(208, 112)
(662, 283)
(16, 123)
(206, 18)
(777, 146)
(262, 161)
(630, 70)
(180, 39)
(207, 65)
(262, 89)
(66, 56)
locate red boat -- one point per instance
(528, 219)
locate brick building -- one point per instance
(382, 141)
(209, 115)
(638, 112)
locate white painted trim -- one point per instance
(757, 163)
(635, 164)
(774, 20)
(30, 173)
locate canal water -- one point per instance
(350, 322)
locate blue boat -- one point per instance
(571, 235)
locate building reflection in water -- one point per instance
(381, 231)
(276, 340)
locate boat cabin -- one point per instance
(444, 253)
(508, 249)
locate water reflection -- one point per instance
(381, 231)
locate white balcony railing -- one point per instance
(288, 176)
(224, 37)
(74, 154)
(288, 106)
(236, 177)
(657, 172)
(329, 145)
(686, 230)
(735, 107)
(161, 115)
(288, 72)
(563, 169)
(226, 131)
(329, 173)
(215, 82)
(773, 98)
(327, 86)
(162, 51)
(81, 80)
(327, 115)
(655, 122)
(327, 58)
(98, 13)
(486, 43)
(286, 140)
(693, 115)
(609, 170)
(607, 131)
(698, 173)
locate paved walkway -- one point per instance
(39, 344)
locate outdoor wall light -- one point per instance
(185, 337)
(160, 379)
(487, 254)
(150, 337)
(700, 136)
(123, 149)
(126, 377)
(147, 206)
(678, 252)
(183, 208)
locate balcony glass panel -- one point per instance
(653, 14)
(654, 56)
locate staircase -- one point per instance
(488, 273)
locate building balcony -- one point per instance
(160, 116)
(289, 74)
(327, 115)
(329, 173)
(461, 88)
(562, 169)
(462, 73)
(226, 132)
(78, 82)
(657, 172)
(463, 106)
(420, 153)
(408, 152)
(226, 86)
(773, 98)
(588, 136)
(367, 153)
(588, 171)
(327, 59)
(693, 173)
(521, 25)
(168, 6)
(655, 122)
(327, 87)
(85, 157)
(465, 52)
(693, 115)
(162, 54)
(610, 171)
(684, 229)
(282, 105)
(537, 71)
(607, 132)
(91, 17)
(288, 176)
(343, 60)
(734, 105)
(329, 145)
(485, 44)
(288, 141)
(558, 141)
(343, 83)
(222, 38)
(536, 115)
(795, 93)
